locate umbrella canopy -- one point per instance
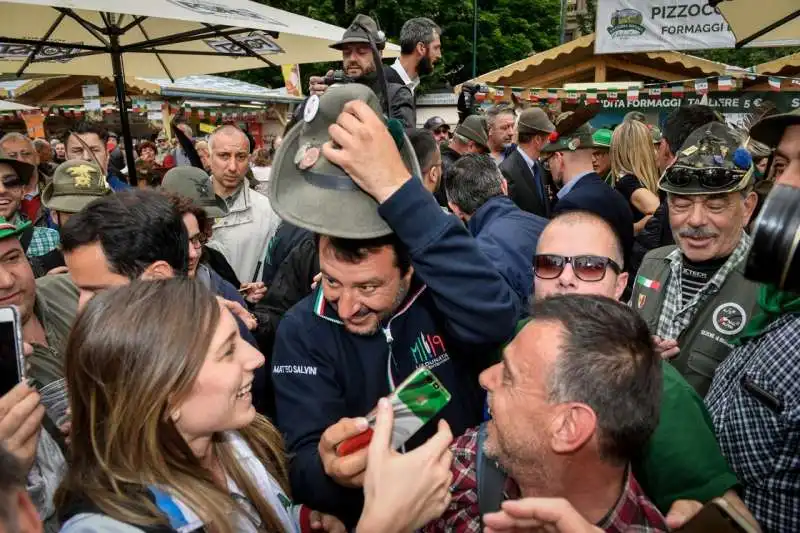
(5, 105)
(157, 38)
(759, 23)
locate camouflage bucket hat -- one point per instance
(711, 161)
(194, 183)
(309, 191)
(76, 183)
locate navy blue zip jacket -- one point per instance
(458, 311)
(508, 236)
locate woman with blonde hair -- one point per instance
(633, 165)
(165, 437)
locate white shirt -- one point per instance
(411, 84)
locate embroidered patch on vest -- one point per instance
(729, 318)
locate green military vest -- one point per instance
(720, 318)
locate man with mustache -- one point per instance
(359, 67)
(420, 49)
(694, 296)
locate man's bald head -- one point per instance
(230, 158)
(578, 233)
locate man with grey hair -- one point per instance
(420, 49)
(500, 129)
(17, 512)
(46, 165)
(242, 235)
(478, 194)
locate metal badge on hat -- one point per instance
(311, 109)
(307, 156)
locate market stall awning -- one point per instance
(214, 88)
(783, 66)
(575, 62)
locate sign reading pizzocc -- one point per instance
(651, 25)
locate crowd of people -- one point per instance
(199, 346)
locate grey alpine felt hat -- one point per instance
(356, 33)
(534, 120)
(309, 191)
(76, 183)
(194, 183)
(769, 130)
(474, 129)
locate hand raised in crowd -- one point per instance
(666, 348)
(347, 470)
(325, 522)
(403, 492)
(545, 515)
(243, 314)
(357, 138)
(21, 414)
(316, 84)
(254, 292)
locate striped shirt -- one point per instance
(695, 276)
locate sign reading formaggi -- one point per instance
(649, 25)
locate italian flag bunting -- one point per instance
(725, 83)
(633, 95)
(774, 83)
(655, 93)
(591, 96)
(552, 95)
(677, 90)
(612, 94)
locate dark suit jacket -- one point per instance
(592, 194)
(522, 187)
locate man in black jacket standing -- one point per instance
(359, 67)
(420, 49)
(522, 169)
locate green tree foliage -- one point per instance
(508, 30)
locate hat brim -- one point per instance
(71, 203)
(23, 170)
(218, 210)
(6, 233)
(349, 40)
(770, 130)
(348, 214)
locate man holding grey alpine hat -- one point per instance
(403, 286)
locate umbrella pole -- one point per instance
(119, 83)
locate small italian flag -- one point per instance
(649, 283)
(655, 93)
(725, 83)
(774, 83)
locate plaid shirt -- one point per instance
(761, 439)
(633, 512)
(676, 317)
(43, 241)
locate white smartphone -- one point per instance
(12, 357)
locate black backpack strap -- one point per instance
(26, 237)
(491, 479)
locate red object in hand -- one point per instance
(353, 444)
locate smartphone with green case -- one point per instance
(418, 399)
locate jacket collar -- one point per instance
(494, 208)
(324, 310)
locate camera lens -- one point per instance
(773, 255)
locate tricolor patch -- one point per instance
(649, 283)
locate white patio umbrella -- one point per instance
(760, 23)
(156, 38)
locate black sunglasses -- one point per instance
(713, 179)
(586, 267)
(12, 180)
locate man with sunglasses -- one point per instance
(679, 465)
(37, 241)
(569, 161)
(694, 296)
(439, 128)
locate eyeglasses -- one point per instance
(713, 179)
(586, 267)
(197, 241)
